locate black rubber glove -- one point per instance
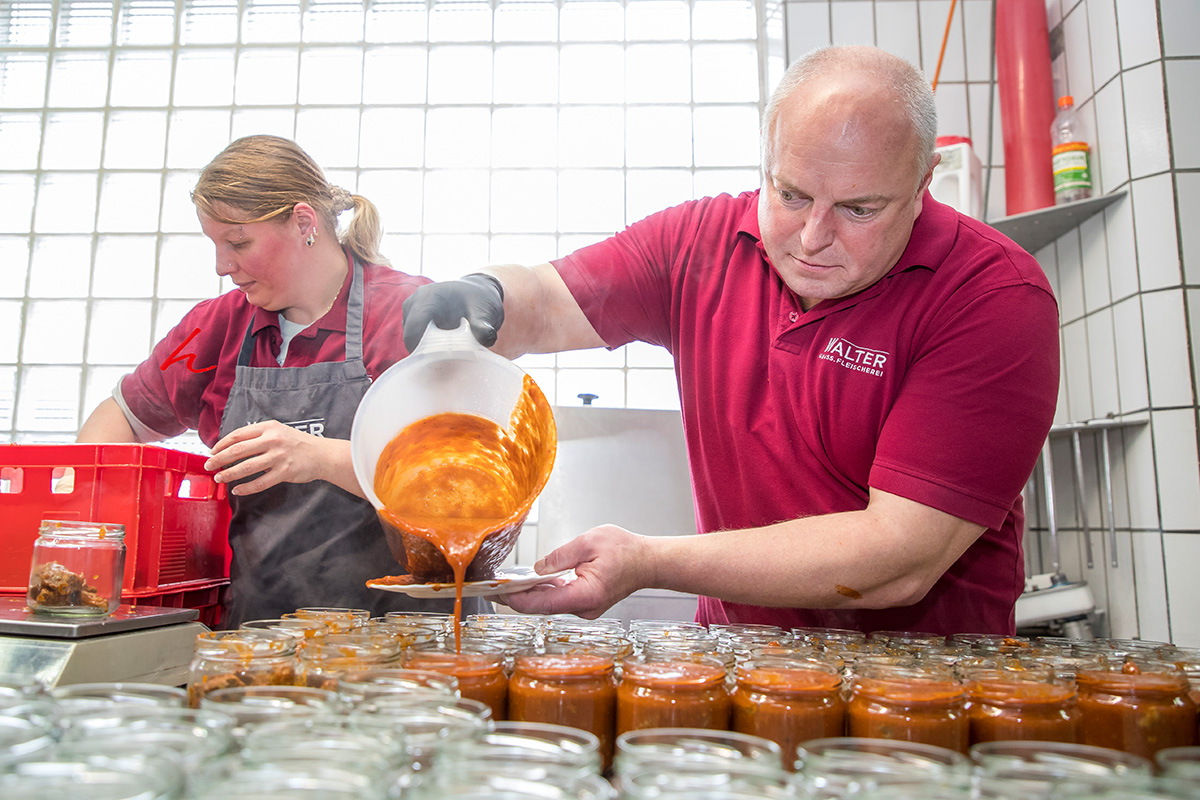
(477, 298)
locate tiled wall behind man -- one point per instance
(1127, 279)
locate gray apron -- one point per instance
(310, 544)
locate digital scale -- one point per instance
(134, 644)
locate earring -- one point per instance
(312, 238)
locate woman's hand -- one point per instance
(278, 453)
(610, 563)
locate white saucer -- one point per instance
(506, 581)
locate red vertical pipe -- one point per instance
(1026, 102)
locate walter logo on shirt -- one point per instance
(846, 354)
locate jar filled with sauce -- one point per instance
(77, 568)
(323, 659)
(241, 658)
(576, 689)
(481, 675)
(901, 699)
(788, 701)
(1021, 704)
(677, 692)
(1139, 706)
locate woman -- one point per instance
(270, 375)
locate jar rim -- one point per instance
(81, 528)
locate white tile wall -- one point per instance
(1181, 27)
(1078, 373)
(898, 30)
(1157, 244)
(1182, 79)
(1133, 384)
(1102, 364)
(853, 22)
(1178, 465)
(1078, 53)
(1122, 249)
(1151, 597)
(1106, 53)
(1137, 26)
(1110, 153)
(1142, 481)
(1120, 580)
(933, 14)
(1167, 362)
(1070, 277)
(1181, 552)
(1187, 188)
(951, 101)
(807, 26)
(977, 29)
(1146, 124)
(1093, 257)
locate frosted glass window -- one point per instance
(523, 200)
(712, 182)
(22, 80)
(20, 138)
(723, 19)
(129, 202)
(100, 382)
(188, 268)
(593, 73)
(209, 22)
(49, 398)
(591, 200)
(79, 80)
(592, 357)
(204, 78)
(392, 137)
(726, 136)
(725, 73)
(14, 265)
(529, 248)
(170, 313)
(330, 75)
(10, 329)
(607, 384)
(8, 396)
(457, 137)
(460, 21)
(591, 137)
(444, 256)
(642, 354)
(397, 195)
(136, 140)
(652, 190)
(60, 266)
(404, 252)
(333, 21)
(524, 137)
(271, 21)
(141, 78)
(329, 135)
(658, 135)
(124, 266)
(460, 74)
(266, 77)
(179, 213)
(66, 203)
(72, 140)
(16, 193)
(592, 21)
(389, 21)
(658, 74)
(273, 121)
(194, 137)
(456, 200)
(84, 23)
(27, 23)
(119, 331)
(526, 74)
(657, 19)
(394, 75)
(146, 22)
(527, 22)
(54, 331)
(652, 388)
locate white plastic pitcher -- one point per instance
(449, 372)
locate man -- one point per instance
(866, 376)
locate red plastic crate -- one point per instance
(207, 600)
(176, 517)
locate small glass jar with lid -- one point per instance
(898, 698)
(1139, 706)
(77, 568)
(678, 691)
(244, 657)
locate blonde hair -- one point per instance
(266, 176)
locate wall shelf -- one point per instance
(1035, 229)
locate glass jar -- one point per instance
(254, 706)
(900, 699)
(845, 766)
(674, 693)
(528, 743)
(77, 568)
(336, 620)
(1140, 706)
(574, 689)
(1020, 704)
(58, 775)
(323, 659)
(718, 752)
(363, 685)
(788, 701)
(82, 697)
(240, 658)
(481, 675)
(1056, 762)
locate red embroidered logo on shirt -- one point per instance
(849, 355)
(188, 359)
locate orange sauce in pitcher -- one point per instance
(459, 480)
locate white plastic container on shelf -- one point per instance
(957, 179)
